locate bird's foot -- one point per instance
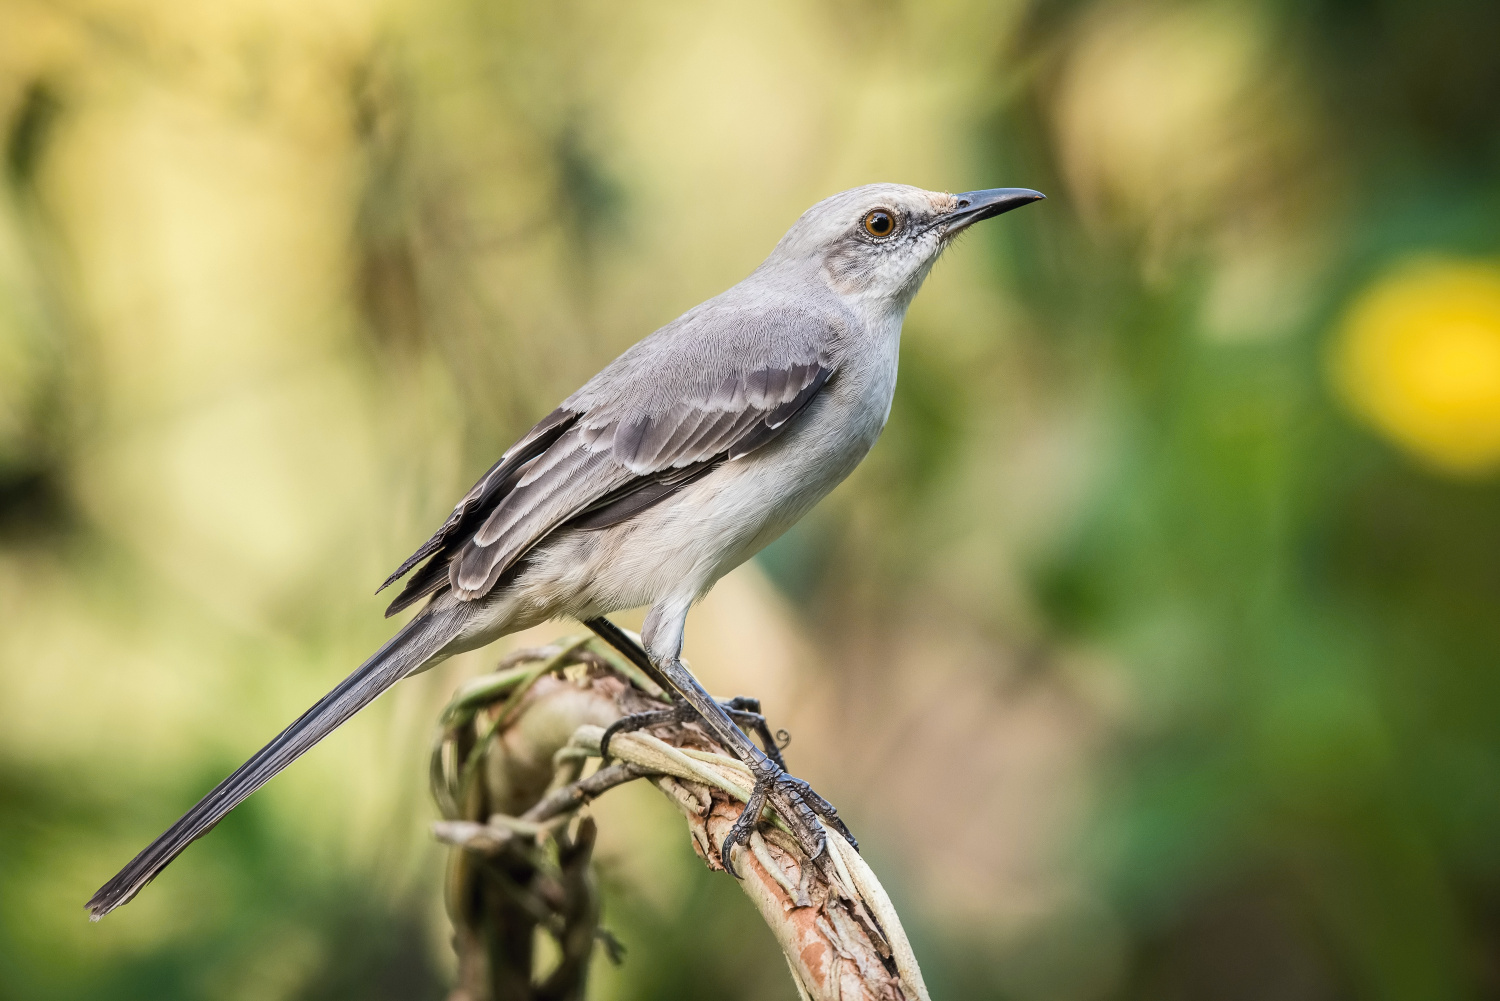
(744, 710)
(793, 799)
(799, 806)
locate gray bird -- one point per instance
(680, 460)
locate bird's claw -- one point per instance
(792, 798)
(739, 834)
(799, 806)
(823, 809)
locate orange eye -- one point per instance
(880, 223)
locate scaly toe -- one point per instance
(823, 808)
(739, 834)
(640, 721)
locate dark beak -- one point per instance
(976, 205)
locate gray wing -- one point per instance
(666, 412)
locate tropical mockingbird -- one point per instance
(682, 458)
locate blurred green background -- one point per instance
(1154, 652)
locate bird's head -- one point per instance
(880, 240)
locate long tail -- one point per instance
(405, 652)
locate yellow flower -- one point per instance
(1418, 356)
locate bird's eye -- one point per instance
(880, 223)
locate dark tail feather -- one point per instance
(404, 653)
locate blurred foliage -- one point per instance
(1180, 548)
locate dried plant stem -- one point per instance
(509, 773)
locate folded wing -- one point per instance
(657, 419)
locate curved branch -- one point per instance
(514, 763)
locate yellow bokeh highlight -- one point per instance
(1418, 356)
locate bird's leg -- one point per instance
(629, 649)
(744, 710)
(792, 798)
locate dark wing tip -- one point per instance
(405, 567)
(433, 577)
(537, 440)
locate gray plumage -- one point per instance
(678, 461)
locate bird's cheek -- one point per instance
(846, 274)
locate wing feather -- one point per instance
(685, 429)
(773, 422)
(537, 505)
(493, 482)
(626, 441)
(717, 436)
